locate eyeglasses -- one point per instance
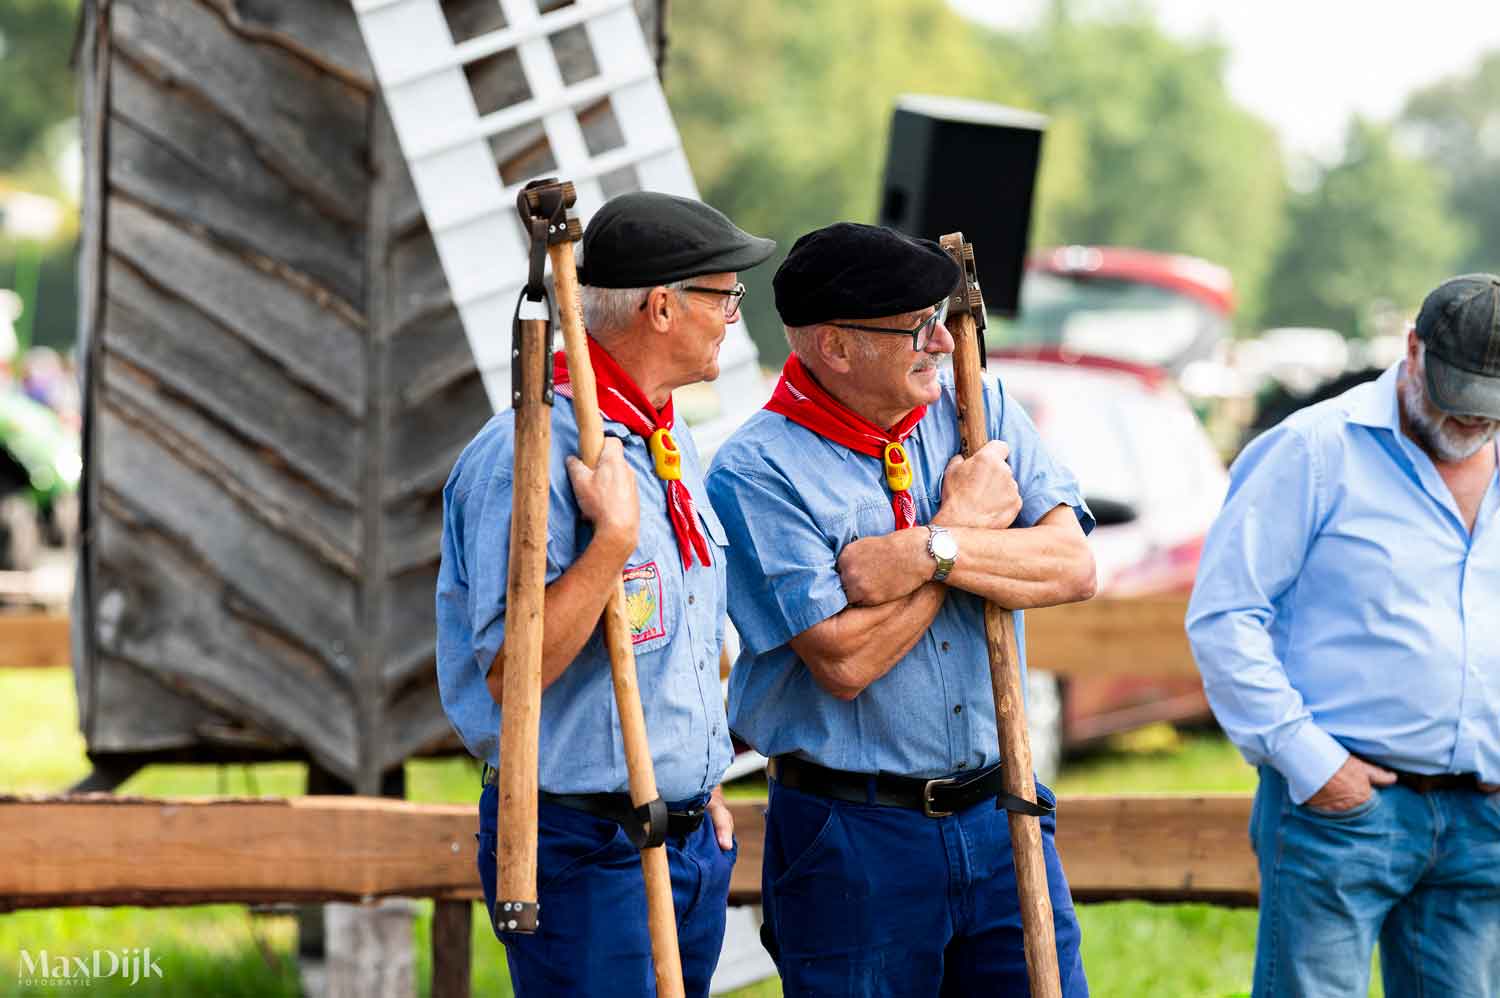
(731, 297)
(921, 335)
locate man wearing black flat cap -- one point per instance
(659, 287)
(1345, 621)
(862, 550)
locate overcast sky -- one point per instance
(1306, 65)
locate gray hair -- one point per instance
(608, 310)
(803, 341)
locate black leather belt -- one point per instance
(1424, 783)
(936, 798)
(617, 808)
(611, 807)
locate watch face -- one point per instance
(944, 547)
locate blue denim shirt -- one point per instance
(791, 500)
(1342, 604)
(676, 617)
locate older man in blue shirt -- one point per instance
(1347, 623)
(659, 276)
(862, 550)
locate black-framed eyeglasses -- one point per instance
(920, 335)
(731, 297)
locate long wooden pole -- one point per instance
(520, 723)
(661, 919)
(1010, 707)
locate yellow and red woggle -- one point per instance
(665, 454)
(897, 468)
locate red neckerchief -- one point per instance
(621, 400)
(802, 400)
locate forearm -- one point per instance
(850, 650)
(1024, 567)
(572, 606)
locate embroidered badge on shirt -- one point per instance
(643, 602)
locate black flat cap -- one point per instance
(853, 271)
(1460, 323)
(642, 239)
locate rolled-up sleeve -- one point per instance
(782, 570)
(1043, 483)
(1251, 559)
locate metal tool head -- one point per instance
(547, 201)
(967, 297)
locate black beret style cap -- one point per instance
(1460, 323)
(853, 271)
(644, 238)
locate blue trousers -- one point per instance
(1419, 872)
(865, 900)
(592, 937)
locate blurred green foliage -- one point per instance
(1374, 234)
(784, 108)
(1455, 125)
(37, 87)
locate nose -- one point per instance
(941, 341)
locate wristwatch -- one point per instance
(944, 551)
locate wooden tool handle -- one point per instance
(1010, 706)
(520, 725)
(661, 918)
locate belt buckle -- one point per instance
(927, 801)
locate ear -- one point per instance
(662, 307)
(835, 349)
(1413, 346)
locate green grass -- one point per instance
(1129, 949)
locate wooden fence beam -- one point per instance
(34, 640)
(1135, 636)
(96, 849)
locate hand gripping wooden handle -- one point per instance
(659, 913)
(1005, 661)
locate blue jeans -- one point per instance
(592, 937)
(1418, 872)
(864, 900)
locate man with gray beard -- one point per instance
(1345, 621)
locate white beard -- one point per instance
(1438, 434)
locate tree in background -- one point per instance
(36, 84)
(1374, 231)
(784, 107)
(1148, 149)
(1455, 125)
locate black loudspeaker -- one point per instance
(966, 166)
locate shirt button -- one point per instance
(692, 599)
(945, 646)
(958, 708)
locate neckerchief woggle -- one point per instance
(621, 400)
(802, 400)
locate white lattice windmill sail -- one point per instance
(449, 146)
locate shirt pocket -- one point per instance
(711, 524)
(650, 615)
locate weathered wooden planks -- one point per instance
(96, 849)
(278, 386)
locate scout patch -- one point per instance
(643, 602)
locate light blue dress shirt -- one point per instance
(790, 501)
(676, 616)
(1343, 606)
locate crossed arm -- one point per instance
(892, 601)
